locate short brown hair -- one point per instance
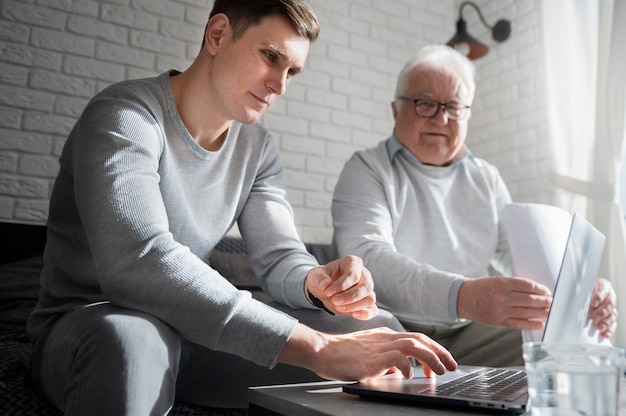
(246, 13)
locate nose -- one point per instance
(278, 82)
(441, 116)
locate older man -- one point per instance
(424, 214)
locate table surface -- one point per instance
(327, 399)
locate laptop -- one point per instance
(506, 388)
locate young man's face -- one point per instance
(251, 72)
(437, 140)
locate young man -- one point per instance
(152, 176)
(424, 214)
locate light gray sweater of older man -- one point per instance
(421, 229)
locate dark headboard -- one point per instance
(19, 241)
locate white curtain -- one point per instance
(585, 61)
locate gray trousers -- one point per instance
(107, 360)
(476, 344)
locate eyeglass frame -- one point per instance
(464, 107)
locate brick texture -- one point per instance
(54, 55)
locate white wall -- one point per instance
(55, 55)
(509, 123)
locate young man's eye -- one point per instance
(270, 56)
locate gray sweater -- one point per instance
(421, 230)
(138, 205)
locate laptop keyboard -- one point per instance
(497, 384)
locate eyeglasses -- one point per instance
(429, 108)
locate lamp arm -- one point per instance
(482, 19)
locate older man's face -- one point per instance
(436, 140)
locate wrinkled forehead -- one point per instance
(437, 82)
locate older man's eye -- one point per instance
(426, 105)
(455, 106)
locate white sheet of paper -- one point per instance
(537, 235)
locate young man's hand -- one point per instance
(364, 354)
(345, 287)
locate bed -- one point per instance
(21, 248)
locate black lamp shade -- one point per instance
(469, 46)
(466, 44)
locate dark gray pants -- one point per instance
(106, 360)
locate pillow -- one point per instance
(236, 268)
(19, 290)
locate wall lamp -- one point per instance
(468, 45)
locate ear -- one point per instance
(216, 31)
(394, 109)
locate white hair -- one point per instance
(439, 57)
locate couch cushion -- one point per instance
(235, 267)
(19, 290)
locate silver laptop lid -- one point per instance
(569, 320)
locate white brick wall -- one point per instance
(508, 125)
(56, 54)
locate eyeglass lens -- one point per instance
(429, 108)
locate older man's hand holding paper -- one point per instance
(550, 246)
